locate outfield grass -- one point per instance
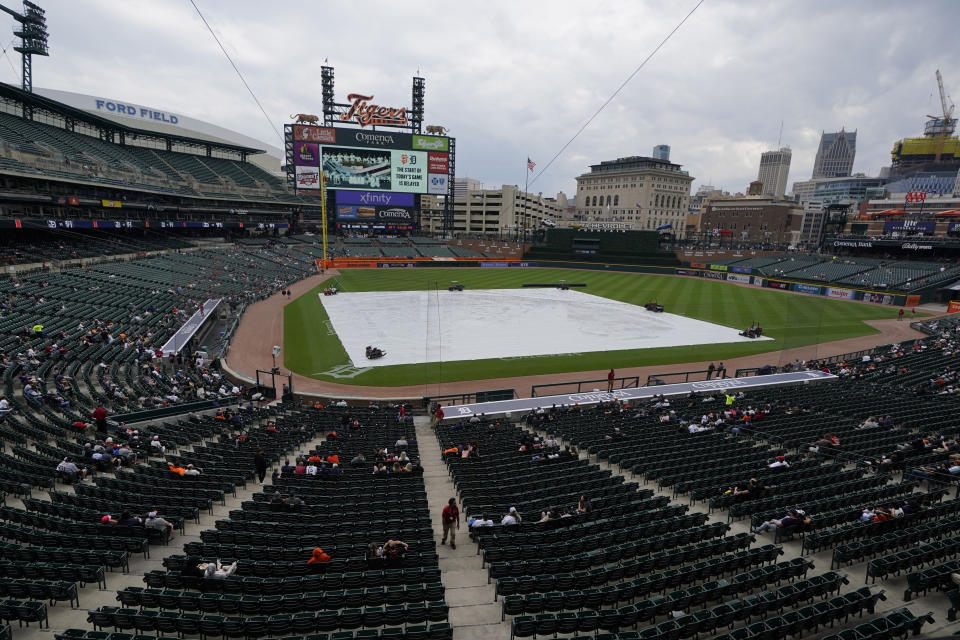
(792, 320)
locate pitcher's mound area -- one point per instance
(444, 326)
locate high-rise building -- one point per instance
(662, 152)
(835, 155)
(774, 169)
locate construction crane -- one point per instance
(941, 128)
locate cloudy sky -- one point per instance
(512, 79)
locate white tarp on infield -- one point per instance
(418, 326)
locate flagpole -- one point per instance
(526, 185)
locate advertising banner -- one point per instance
(687, 272)
(396, 265)
(912, 301)
(698, 265)
(808, 288)
(845, 294)
(392, 215)
(718, 267)
(314, 134)
(953, 227)
(909, 226)
(776, 284)
(438, 184)
(494, 265)
(430, 143)
(880, 298)
(438, 162)
(735, 277)
(306, 154)
(375, 198)
(308, 178)
(741, 269)
(382, 139)
(112, 204)
(757, 281)
(954, 306)
(715, 275)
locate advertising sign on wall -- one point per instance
(375, 207)
(808, 288)
(308, 178)
(758, 281)
(909, 226)
(438, 162)
(845, 294)
(718, 267)
(912, 301)
(430, 143)
(438, 184)
(776, 284)
(881, 298)
(735, 277)
(314, 134)
(382, 139)
(306, 154)
(741, 269)
(715, 275)
(954, 306)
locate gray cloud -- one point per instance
(511, 79)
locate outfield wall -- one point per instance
(727, 273)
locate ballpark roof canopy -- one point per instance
(110, 130)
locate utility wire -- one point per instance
(242, 79)
(615, 93)
(9, 61)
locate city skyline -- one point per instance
(523, 79)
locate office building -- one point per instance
(751, 219)
(636, 192)
(835, 155)
(774, 169)
(662, 152)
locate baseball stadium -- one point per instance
(247, 395)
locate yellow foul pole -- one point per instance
(323, 215)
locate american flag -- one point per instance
(638, 206)
(530, 164)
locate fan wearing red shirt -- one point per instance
(451, 522)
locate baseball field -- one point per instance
(313, 345)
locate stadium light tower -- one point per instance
(33, 38)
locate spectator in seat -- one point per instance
(359, 460)
(395, 550)
(583, 506)
(154, 521)
(191, 471)
(512, 517)
(70, 471)
(318, 561)
(792, 518)
(780, 462)
(217, 571)
(127, 520)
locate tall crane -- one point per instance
(941, 128)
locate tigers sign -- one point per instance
(364, 113)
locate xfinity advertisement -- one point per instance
(375, 207)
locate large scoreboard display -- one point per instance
(373, 176)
